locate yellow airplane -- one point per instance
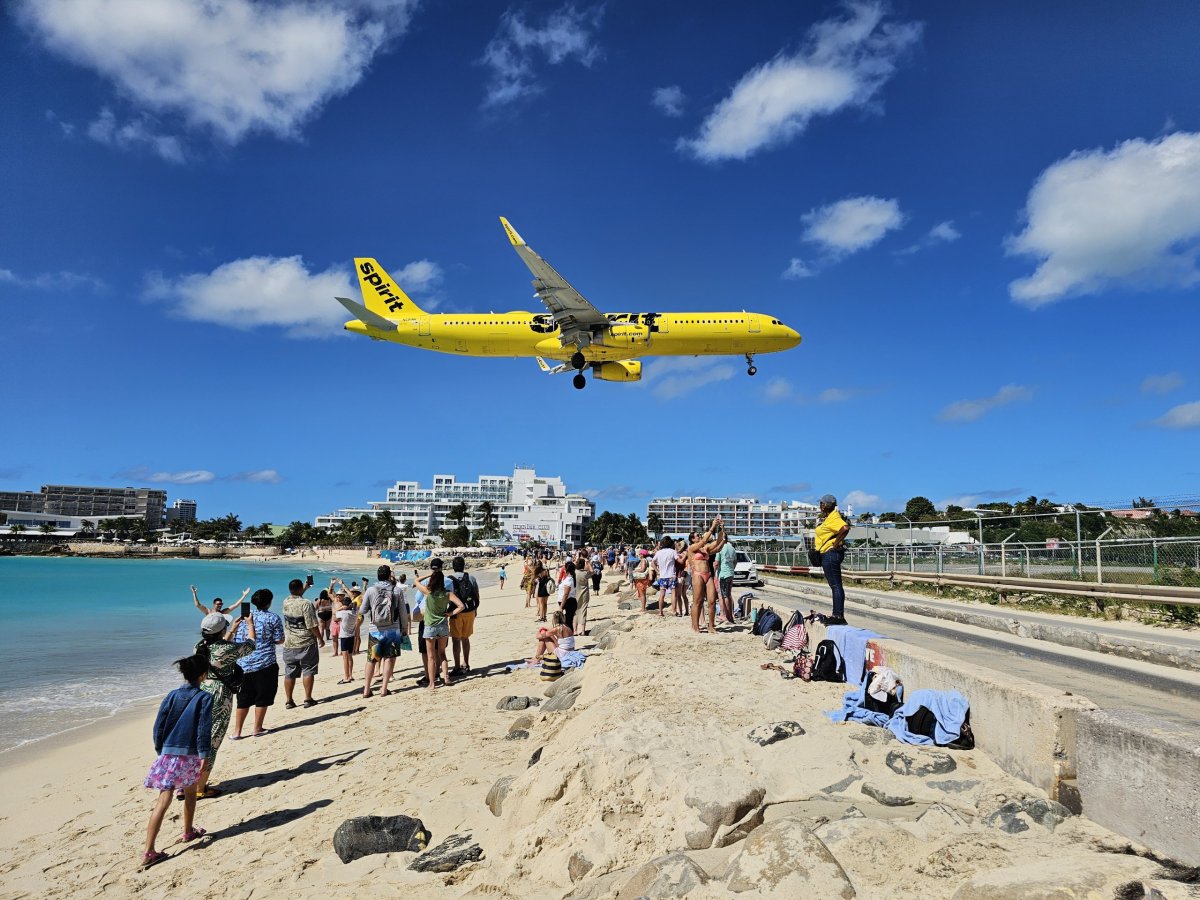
(574, 333)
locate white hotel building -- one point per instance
(525, 504)
(743, 516)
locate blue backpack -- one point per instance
(768, 620)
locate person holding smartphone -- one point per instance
(221, 682)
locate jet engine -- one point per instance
(626, 370)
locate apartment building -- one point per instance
(742, 515)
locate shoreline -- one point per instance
(655, 731)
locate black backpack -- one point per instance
(828, 664)
(465, 590)
(768, 620)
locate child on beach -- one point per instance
(182, 736)
(502, 576)
(345, 620)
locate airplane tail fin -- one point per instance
(381, 294)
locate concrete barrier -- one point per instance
(1140, 776)
(1027, 728)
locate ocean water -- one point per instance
(81, 639)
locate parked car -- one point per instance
(745, 571)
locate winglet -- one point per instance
(515, 239)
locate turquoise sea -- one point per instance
(81, 639)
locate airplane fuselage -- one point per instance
(631, 336)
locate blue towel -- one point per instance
(950, 708)
(852, 642)
(572, 659)
(853, 710)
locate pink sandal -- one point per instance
(193, 834)
(153, 858)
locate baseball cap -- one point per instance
(213, 623)
(830, 499)
(435, 563)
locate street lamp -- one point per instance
(910, 542)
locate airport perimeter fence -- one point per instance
(1156, 561)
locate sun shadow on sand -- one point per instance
(268, 820)
(320, 764)
(317, 720)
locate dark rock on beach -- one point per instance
(1014, 816)
(515, 704)
(366, 835)
(773, 732)
(838, 786)
(537, 754)
(452, 853)
(920, 762)
(885, 799)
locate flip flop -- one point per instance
(291, 704)
(235, 737)
(152, 859)
(261, 733)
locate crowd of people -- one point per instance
(234, 666)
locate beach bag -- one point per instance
(802, 666)
(772, 639)
(232, 681)
(551, 666)
(828, 664)
(795, 637)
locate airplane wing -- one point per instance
(365, 316)
(572, 313)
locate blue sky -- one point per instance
(983, 218)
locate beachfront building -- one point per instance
(63, 502)
(526, 506)
(181, 511)
(742, 515)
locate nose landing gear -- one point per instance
(750, 367)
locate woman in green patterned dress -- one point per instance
(223, 655)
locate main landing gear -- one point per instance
(750, 368)
(578, 361)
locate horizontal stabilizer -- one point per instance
(364, 315)
(549, 371)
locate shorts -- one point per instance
(346, 644)
(665, 584)
(462, 625)
(301, 661)
(437, 631)
(383, 645)
(325, 615)
(259, 688)
(726, 585)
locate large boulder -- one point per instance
(366, 835)
(611, 588)
(452, 853)
(571, 680)
(673, 875)
(1072, 878)
(728, 806)
(563, 700)
(785, 859)
(1016, 815)
(608, 641)
(515, 704)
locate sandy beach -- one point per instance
(651, 760)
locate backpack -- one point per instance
(466, 591)
(828, 664)
(383, 607)
(768, 620)
(802, 666)
(232, 681)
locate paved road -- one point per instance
(1109, 682)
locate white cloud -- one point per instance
(226, 67)
(863, 502)
(836, 395)
(970, 410)
(797, 269)
(1162, 384)
(1129, 216)
(615, 492)
(941, 233)
(420, 277)
(852, 224)
(779, 389)
(135, 134)
(843, 64)
(674, 376)
(567, 33)
(969, 501)
(669, 100)
(258, 476)
(51, 281)
(1185, 415)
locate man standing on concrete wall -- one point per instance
(831, 543)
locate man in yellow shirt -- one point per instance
(830, 541)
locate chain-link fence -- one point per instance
(1163, 561)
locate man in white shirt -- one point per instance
(664, 565)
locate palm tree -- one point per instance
(655, 524)
(410, 530)
(458, 513)
(385, 525)
(87, 526)
(46, 528)
(17, 529)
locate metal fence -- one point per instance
(1162, 561)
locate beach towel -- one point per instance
(854, 710)
(950, 708)
(852, 642)
(571, 659)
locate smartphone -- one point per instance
(308, 582)
(245, 610)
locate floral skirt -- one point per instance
(171, 773)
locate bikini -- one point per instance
(700, 568)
